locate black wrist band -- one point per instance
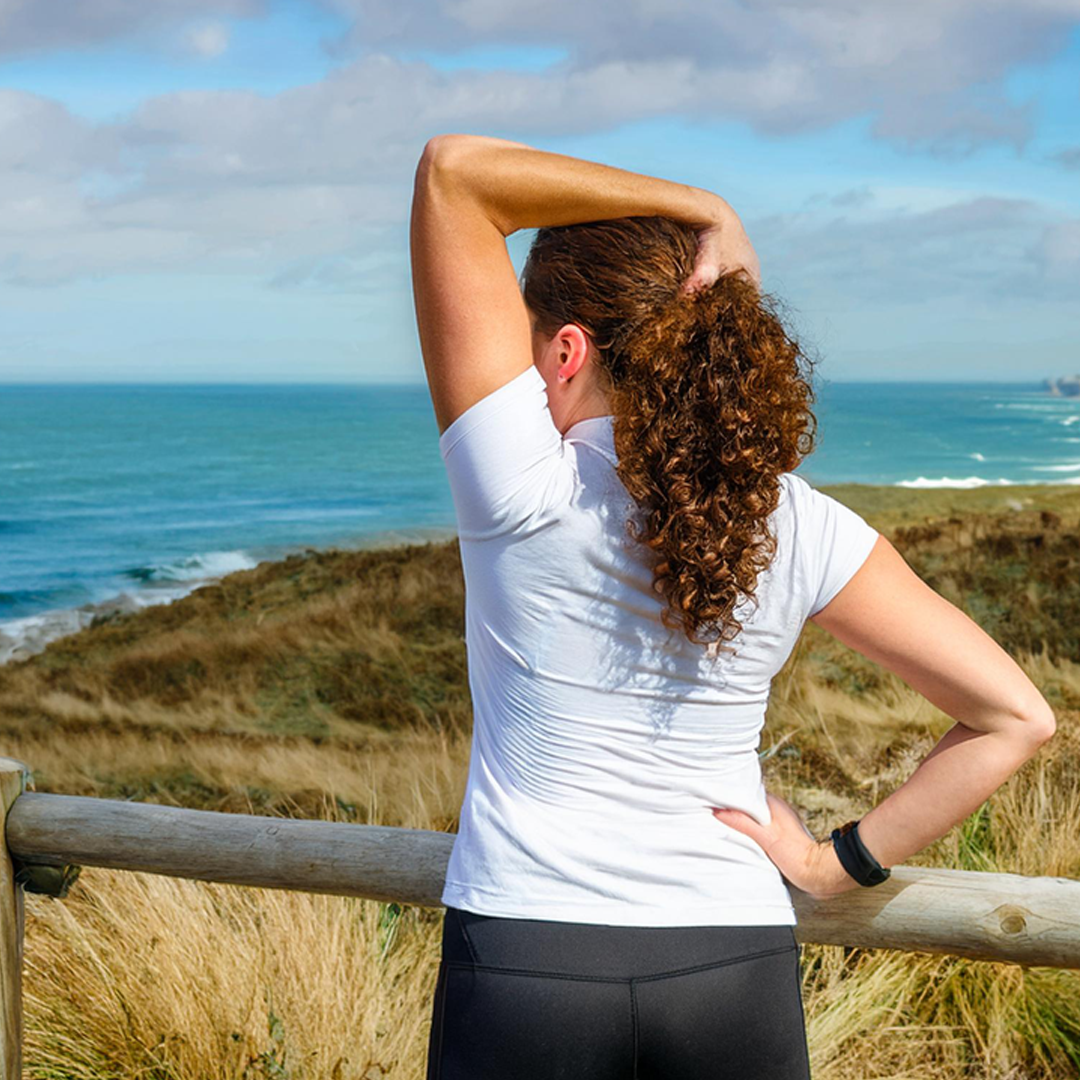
(855, 858)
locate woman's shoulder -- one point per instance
(792, 485)
(798, 497)
(792, 492)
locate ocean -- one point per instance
(117, 496)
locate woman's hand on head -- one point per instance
(723, 246)
(805, 862)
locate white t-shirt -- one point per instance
(600, 737)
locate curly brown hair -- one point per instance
(711, 399)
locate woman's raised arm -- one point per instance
(470, 193)
(520, 187)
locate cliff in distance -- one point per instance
(1066, 386)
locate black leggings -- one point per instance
(533, 999)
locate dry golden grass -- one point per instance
(334, 686)
(139, 975)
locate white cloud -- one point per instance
(27, 25)
(209, 40)
(39, 138)
(929, 71)
(310, 187)
(1057, 254)
(981, 250)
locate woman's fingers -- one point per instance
(721, 249)
(707, 260)
(786, 839)
(806, 862)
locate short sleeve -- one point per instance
(504, 459)
(833, 539)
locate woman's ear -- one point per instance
(573, 346)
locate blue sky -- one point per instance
(218, 190)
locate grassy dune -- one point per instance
(333, 685)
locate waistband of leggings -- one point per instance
(599, 950)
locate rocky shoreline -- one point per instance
(27, 636)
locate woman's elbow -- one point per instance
(439, 157)
(1039, 726)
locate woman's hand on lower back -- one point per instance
(723, 246)
(807, 863)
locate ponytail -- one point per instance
(710, 398)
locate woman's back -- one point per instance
(602, 737)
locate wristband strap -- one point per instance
(854, 856)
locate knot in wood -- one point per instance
(1012, 919)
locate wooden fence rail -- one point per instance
(1003, 917)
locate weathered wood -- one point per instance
(13, 777)
(1024, 920)
(374, 861)
(1005, 917)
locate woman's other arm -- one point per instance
(889, 614)
(470, 193)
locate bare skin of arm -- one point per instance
(890, 615)
(470, 193)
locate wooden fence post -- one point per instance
(13, 777)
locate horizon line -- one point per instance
(386, 383)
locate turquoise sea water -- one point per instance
(145, 490)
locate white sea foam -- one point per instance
(1075, 467)
(169, 581)
(977, 456)
(978, 481)
(23, 637)
(161, 584)
(209, 564)
(952, 482)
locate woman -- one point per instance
(619, 432)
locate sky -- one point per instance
(218, 190)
